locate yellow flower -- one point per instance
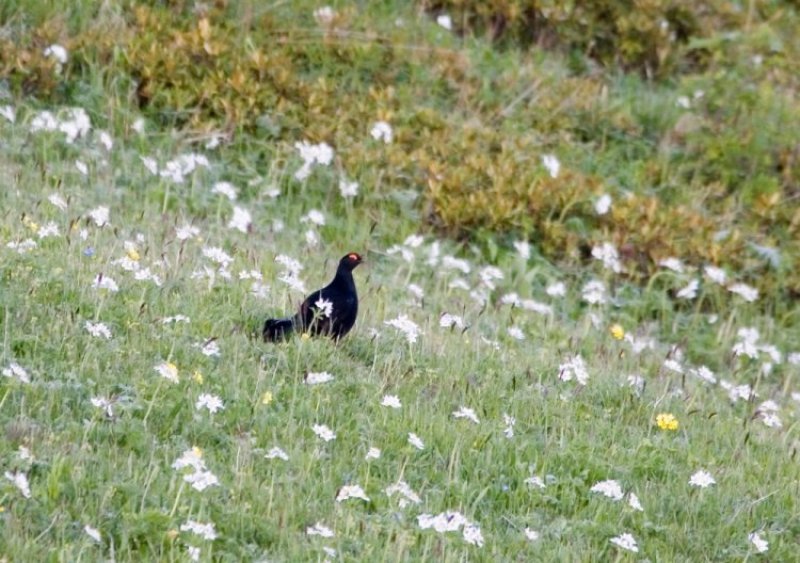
(31, 224)
(667, 421)
(266, 398)
(305, 336)
(172, 534)
(197, 451)
(617, 331)
(197, 377)
(133, 254)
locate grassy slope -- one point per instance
(115, 474)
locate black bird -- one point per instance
(330, 311)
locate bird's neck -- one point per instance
(344, 279)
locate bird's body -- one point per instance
(330, 311)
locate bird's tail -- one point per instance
(277, 329)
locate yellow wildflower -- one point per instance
(667, 421)
(266, 398)
(31, 224)
(197, 377)
(617, 331)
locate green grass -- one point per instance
(115, 473)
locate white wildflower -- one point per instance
(9, 113)
(104, 403)
(241, 219)
(105, 282)
(186, 232)
(150, 163)
(535, 481)
(100, 215)
(93, 533)
(324, 15)
(14, 370)
(472, 534)
(217, 255)
(382, 131)
(575, 368)
(415, 441)
(20, 481)
(489, 274)
(748, 342)
(672, 263)
(603, 204)
(444, 20)
(277, 453)
(516, 333)
(409, 328)
(509, 421)
(211, 402)
(448, 321)
(105, 139)
(746, 292)
(319, 529)
(557, 289)
(468, 413)
(703, 373)
(314, 216)
(715, 274)
(391, 401)
(690, 290)
(57, 52)
(609, 488)
(201, 480)
(58, 201)
(205, 531)
(324, 306)
(316, 378)
(408, 496)
(168, 371)
(453, 263)
(225, 189)
(594, 292)
(551, 162)
(351, 491)
(347, 188)
(758, 542)
(323, 432)
(523, 248)
(98, 330)
(608, 255)
(702, 479)
(49, 229)
(625, 541)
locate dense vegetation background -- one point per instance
(578, 335)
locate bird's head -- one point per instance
(351, 260)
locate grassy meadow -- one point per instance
(499, 398)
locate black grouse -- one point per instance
(330, 311)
